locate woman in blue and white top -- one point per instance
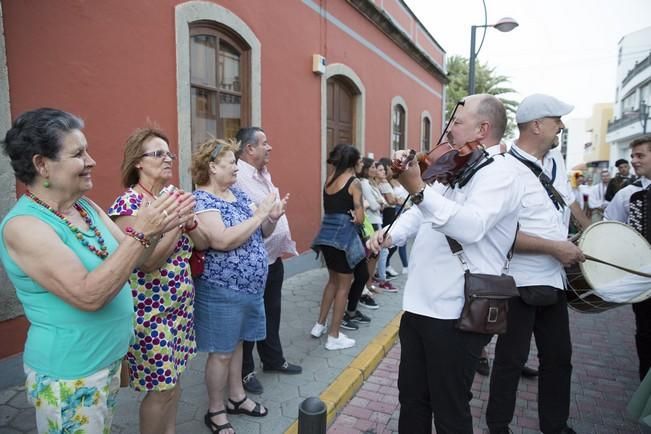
(229, 306)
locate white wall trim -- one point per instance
(360, 110)
(186, 14)
(394, 101)
(426, 115)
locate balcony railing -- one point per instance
(626, 120)
(637, 69)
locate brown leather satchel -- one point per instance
(486, 303)
(486, 296)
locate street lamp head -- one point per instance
(506, 24)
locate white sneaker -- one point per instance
(405, 270)
(318, 330)
(391, 270)
(339, 343)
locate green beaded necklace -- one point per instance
(102, 252)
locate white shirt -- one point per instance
(596, 196)
(539, 217)
(257, 185)
(618, 208)
(373, 201)
(481, 216)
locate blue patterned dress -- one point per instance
(229, 304)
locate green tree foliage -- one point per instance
(486, 81)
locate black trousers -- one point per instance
(437, 367)
(360, 273)
(642, 312)
(551, 329)
(270, 349)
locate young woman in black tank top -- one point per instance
(342, 194)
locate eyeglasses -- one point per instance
(159, 154)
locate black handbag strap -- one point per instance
(457, 249)
(547, 183)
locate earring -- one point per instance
(46, 184)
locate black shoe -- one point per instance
(483, 368)
(360, 318)
(251, 384)
(567, 430)
(528, 372)
(368, 302)
(348, 324)
(285, 368)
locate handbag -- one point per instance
(197, 261)
(539, 295)
(486, 296)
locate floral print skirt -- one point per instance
(81, 406)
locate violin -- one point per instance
(443, 163)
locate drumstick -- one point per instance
(639, 273)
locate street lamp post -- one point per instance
(506, 24)
(644, 115)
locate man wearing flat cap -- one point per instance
(621, 179)
(541, 252)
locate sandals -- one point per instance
(212, 426)
(256, 412)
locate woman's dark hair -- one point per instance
(386, 163)
(366, 164)
(37, 132)
(342, 157)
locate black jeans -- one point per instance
(437, 367)
(551, 329)
(642, 312)
(270, 349)
(360, 278)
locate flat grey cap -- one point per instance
(539, 106)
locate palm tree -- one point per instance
(486, 81)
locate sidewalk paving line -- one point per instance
(344, 387)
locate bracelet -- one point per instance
(138, 236)
(191, 228)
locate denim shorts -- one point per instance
(223, 317)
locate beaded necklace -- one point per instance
(102, 252)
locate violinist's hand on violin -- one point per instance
(378, 241)
(410, 176)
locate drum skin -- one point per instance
(610, 241)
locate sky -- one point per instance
(565, 48)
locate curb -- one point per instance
(344, 387)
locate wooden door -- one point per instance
(340, 112)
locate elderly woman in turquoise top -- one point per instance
(70, 263)
(229, 306)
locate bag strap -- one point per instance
(457, 250)
(554, 195)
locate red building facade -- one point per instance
(311, 73)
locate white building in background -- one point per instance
(633, 94)
(575, 136)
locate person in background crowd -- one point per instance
(70, 265)
(162, 288)
(379, 181)
(399, 195)
(438, 360)
(254, 179)
(621, 179)
(630, 209)
(339, 242)
(229, 305)
(597, 197)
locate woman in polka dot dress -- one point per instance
(163, 291)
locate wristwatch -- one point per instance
(417, 198)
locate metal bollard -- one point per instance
(312, 416)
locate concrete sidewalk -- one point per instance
(603, 379)
(283, 393)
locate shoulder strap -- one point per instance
(547, 184)
(457, 249)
